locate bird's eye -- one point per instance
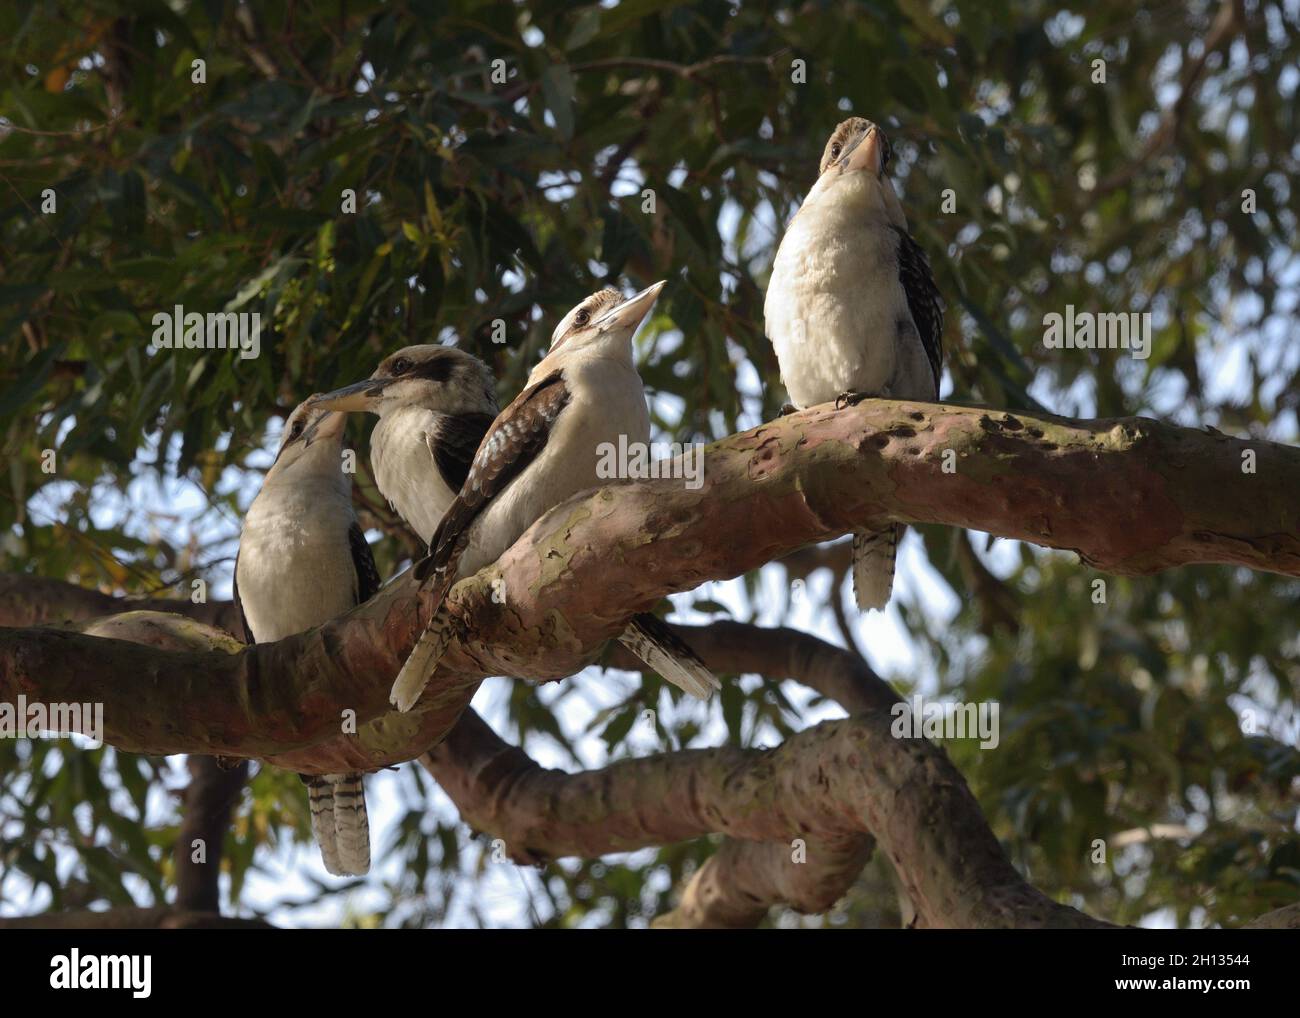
(886, 152)
(582, 317)
(400, 366)
(296, 430)
(835, 150)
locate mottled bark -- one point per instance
(1131, 496)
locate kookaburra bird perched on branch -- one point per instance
(303, 559)
(852, 308)
(544, 447)
(434, 403)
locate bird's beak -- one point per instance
(867, 154)
(359, 396)
(325, 426)
(632, 311)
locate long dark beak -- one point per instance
(362, 396)
(632, 311)
(866, 154)
(324, 426)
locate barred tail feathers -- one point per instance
(874, 552)
(337, 804)
(650, 639)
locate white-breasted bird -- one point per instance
(435, 404)
(544, 447)
(852, 308)
(303, 559)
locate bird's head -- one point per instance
(432, 377)
(857, 146)
(855, 162)
(312, 439)
(605, 320)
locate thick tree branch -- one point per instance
(36, 601)
(1131, 496)
(390, 736)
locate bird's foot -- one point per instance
(788, 408)
(846, 399)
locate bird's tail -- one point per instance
(650, 639)
(874, 552)
(424, 658)
(337, 803)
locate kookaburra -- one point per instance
(435, 404)
(852, 308)
(303, 559)
(544, 447)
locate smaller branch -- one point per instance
(738, 884)
(779, 653)
(209, 803)
(36, 601)
(997, 601)
(824, 785)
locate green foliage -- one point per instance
(479, 200)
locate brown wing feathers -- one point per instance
(516, 437)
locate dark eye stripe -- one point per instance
(436, 369)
